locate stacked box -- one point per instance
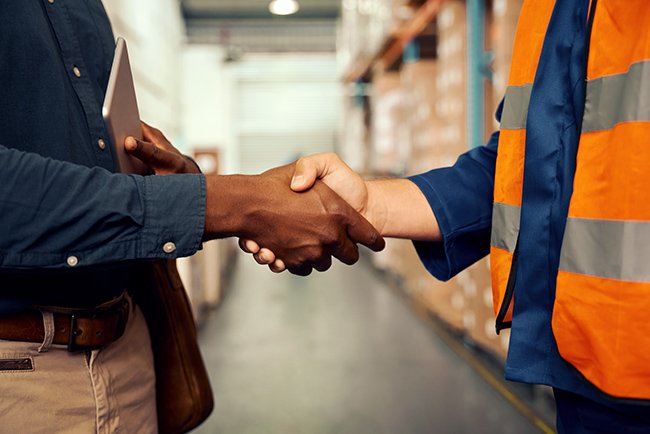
(422, 120)
(451, 81)
(402, 12)
(353, 138)
(388, 131)
(202, 273)
(490, 100)
(444, 299)
(505, 14)
(477, 284)
(418, 121)
(389, 258)
(365, 27)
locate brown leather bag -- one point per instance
(183, 392)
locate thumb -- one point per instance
(131, 144)
(306, 172)
(149, 153)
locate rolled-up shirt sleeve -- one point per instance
(55, 214)
(461, 198)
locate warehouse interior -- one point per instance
(395, 87)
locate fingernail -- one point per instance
(252, 246)
(296, 181)
(130, 143)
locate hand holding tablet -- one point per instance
(120, 111)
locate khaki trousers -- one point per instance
(109, 390)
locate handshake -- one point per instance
(297, 217)
(299, 220)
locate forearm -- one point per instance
(399, 209)
(51, 210)
(229, 198)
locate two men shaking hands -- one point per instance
(297, 217)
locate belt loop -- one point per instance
(48, 334)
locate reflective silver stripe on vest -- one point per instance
(612, 249)
(618, 98)
(515, 107)
(505, 226)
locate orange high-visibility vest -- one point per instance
(602, 304)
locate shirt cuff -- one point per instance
(174, 215)
(435, 255)
(463, 210)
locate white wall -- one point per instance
(207, 84)
(261, 111)
(287, 105)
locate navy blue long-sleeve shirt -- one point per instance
(69, 227)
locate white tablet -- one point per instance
(120, 111)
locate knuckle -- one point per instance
(340, 242)
(332, 238)
(338, 211)
(316, 253)
(178, 164)
(372, 237)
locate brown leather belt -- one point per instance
(77, 329)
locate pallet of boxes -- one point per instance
(436, 100)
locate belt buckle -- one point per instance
(72, 346)
(121, 311)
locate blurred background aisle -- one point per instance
(396, 87)
(338, 353)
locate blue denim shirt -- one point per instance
(461, 198)
(58, 196)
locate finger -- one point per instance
(151, 154)
(346, 251)
(300, 270)
(249, 246)
(278, 266)
(309, 169)
(324, 264)
(361, 231)
(154, 135)
(264, 257)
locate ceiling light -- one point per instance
(284, 7)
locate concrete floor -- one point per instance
(338, 353)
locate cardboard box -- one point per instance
(353, 146)
(505, 15)
(388, 130)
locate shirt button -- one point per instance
(72, 261)
(50, 2)
(169, 247)
(102, 144)
(76, 71)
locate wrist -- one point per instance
(191, 166)
(376, 211)
(225, 211)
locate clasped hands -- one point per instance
(310, 173)
(300, 222)
(395, 208)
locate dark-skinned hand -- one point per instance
(303, 229)
(158, 153)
